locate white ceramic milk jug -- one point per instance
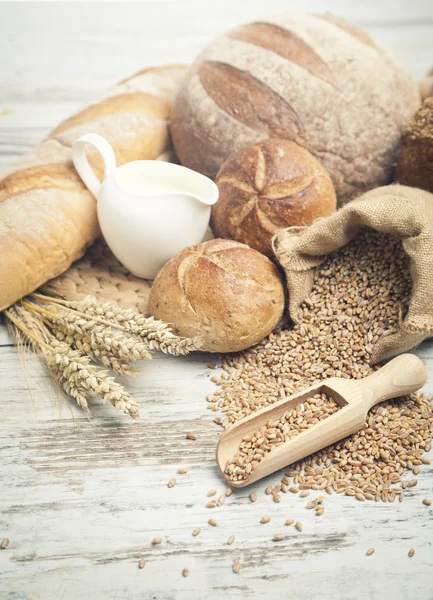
(148, 210)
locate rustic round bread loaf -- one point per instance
(225, 292)
(313, 79)
(269, 186)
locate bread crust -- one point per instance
(269, 186)
(415, 162)
(223, 291)
(47, 216)
(312, 79)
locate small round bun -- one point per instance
(269, 186)
(224, 292)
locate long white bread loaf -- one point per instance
(47, 216)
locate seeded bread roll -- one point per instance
(415, 163)
(225, 292)
(47, 215)
(313, 79)
(269, 186)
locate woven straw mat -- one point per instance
(100, 274)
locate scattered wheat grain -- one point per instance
(236, 567)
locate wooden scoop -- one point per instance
(402, 375)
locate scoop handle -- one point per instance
(402, 375)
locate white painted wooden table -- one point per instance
(81, 500)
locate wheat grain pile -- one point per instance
(359, 294)
(254, 448)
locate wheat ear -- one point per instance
(158, 335)
(72, 369)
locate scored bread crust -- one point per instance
(47, 216)
(312, 79)
(269, 186)
(222, 291)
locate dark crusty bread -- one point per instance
(313, 79)
(269, 186)
(415, 163)
(225, 292)
(47, 216)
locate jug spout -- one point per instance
(196, 186)
(208, 200)
(203, 190)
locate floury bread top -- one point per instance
(313, 79)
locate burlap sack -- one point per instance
(406, 212)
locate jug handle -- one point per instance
(81, 163)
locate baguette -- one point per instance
(47, 216)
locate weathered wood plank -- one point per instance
(110, 41)
(99, 491)
(81, 500)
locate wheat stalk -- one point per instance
(72, 337)
(97, 353)
(72, 369)
(28, 330)
(76, 369)
(156, 334)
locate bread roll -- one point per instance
(47, 215)
(313, 79)
(222, 291)
(415, 163)
(269, 186)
